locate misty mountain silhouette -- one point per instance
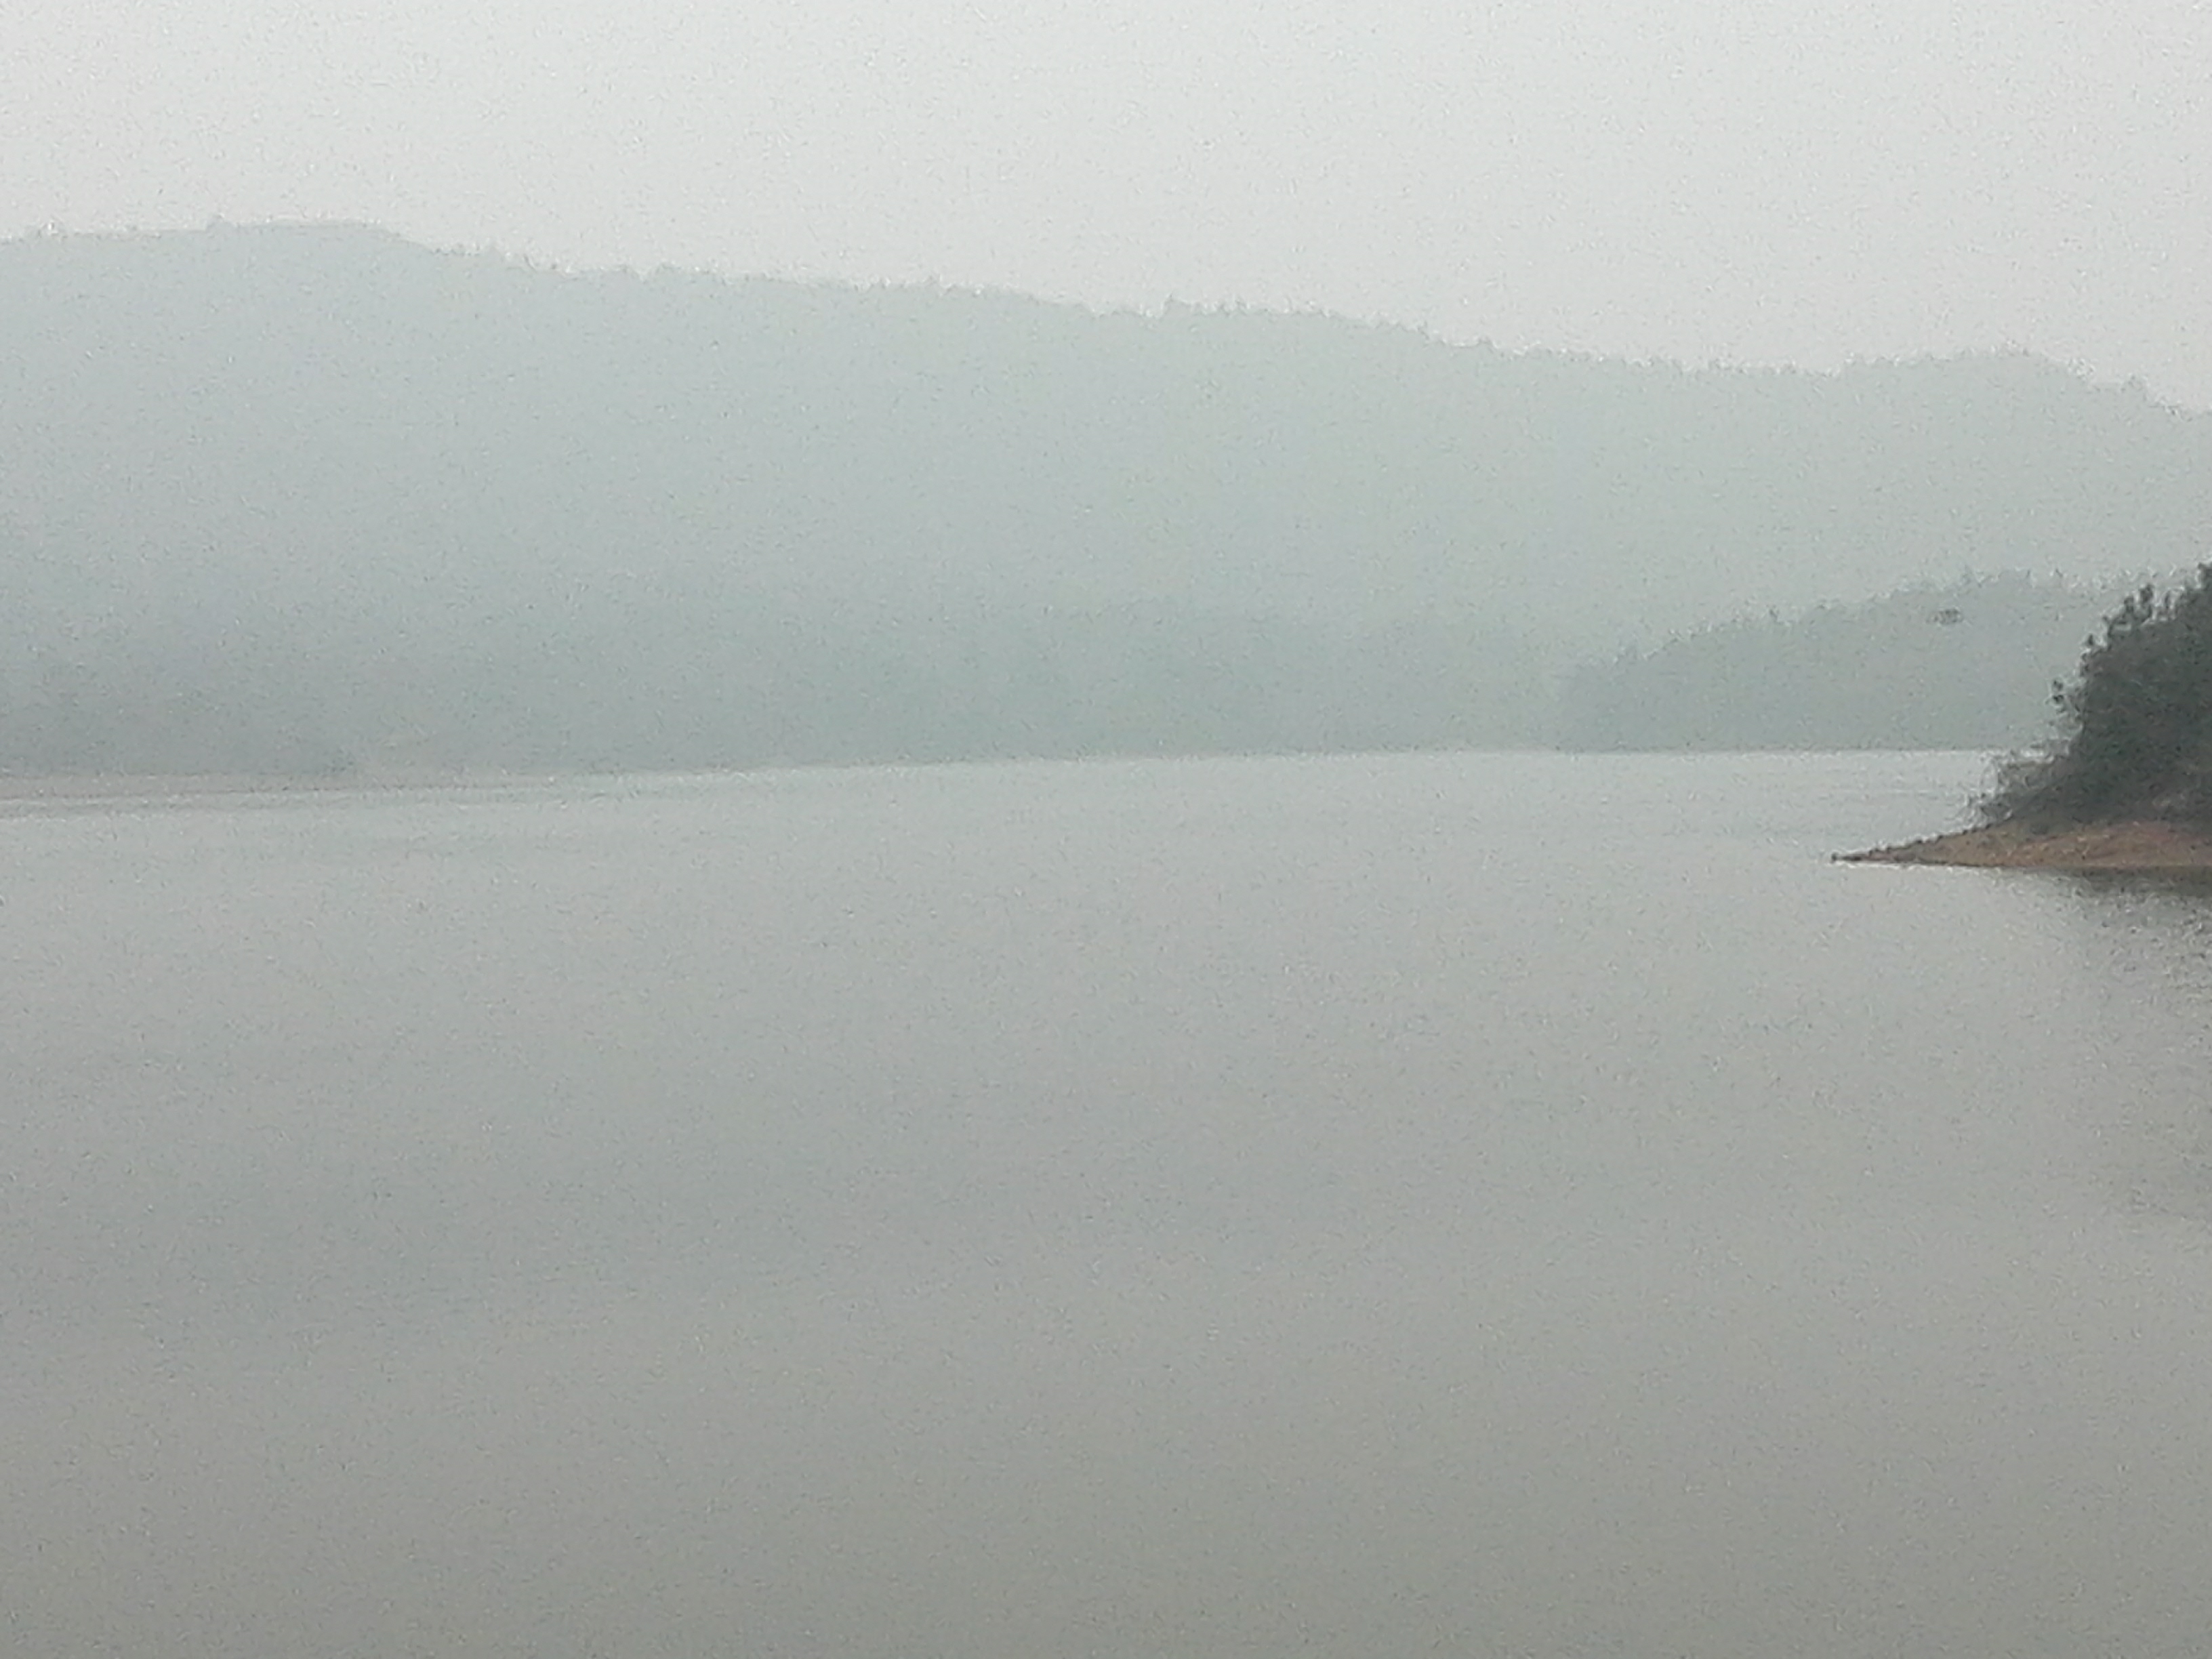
(312, 497)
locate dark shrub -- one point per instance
(2135, 726)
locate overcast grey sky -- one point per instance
(1739, 180)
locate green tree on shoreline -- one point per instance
(2135, 725)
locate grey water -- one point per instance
(1475, 1204)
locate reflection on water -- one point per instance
(1492, 1205)
(2145, 947)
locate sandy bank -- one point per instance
(2140, 846)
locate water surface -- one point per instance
(1515, 1205)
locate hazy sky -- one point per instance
(1689, 178)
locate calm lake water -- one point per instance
(1472, 1205)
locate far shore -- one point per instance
(32, 788)
(2145, 846)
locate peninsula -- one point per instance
(2127, 783)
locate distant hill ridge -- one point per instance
(1966, 664)
(290, 495)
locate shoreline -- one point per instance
(2133, 847)
(120, 789)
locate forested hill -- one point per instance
(1966, 664)
(285, 496)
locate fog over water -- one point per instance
(1481, 1205)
